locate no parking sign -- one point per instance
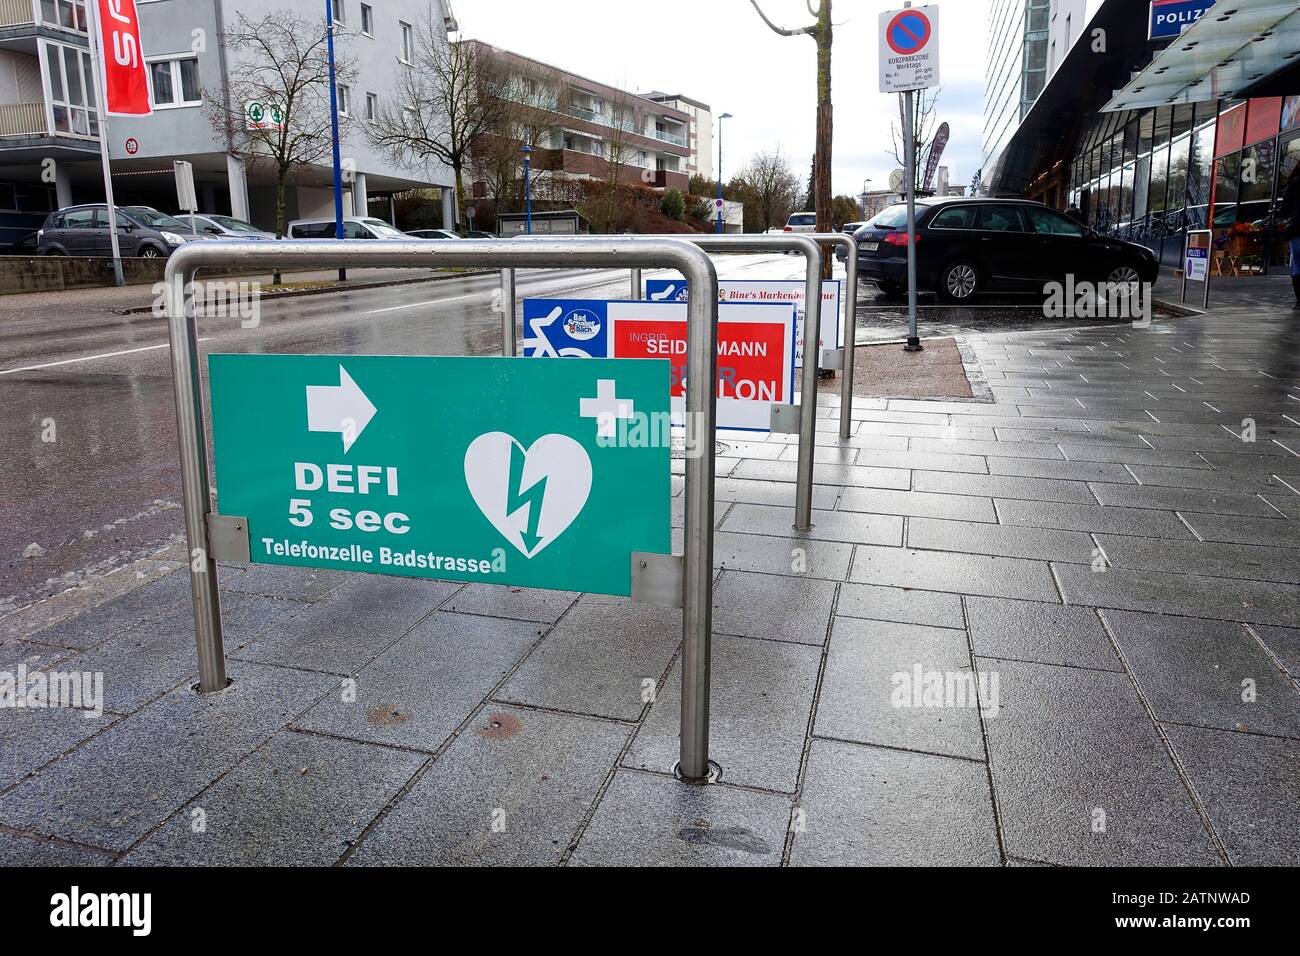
(909, 49)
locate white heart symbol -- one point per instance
(530, 496)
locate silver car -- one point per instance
(211, 225)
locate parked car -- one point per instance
(214, 226)
(83, 231)
(480, 234)
(23, 246)
(801, 222)
(354, 227)
(850, 228)
(432, 234)
(965, 247)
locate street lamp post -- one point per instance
(528, 190)
(864, 198)
(724, 116)
(334, 130)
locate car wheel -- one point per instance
(55, 252)
(1123, 275)
(959, 282)
(151, 252)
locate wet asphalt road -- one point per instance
(105, 490)
(89, 479)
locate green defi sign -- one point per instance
(500, 470)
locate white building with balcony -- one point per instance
(49, 126)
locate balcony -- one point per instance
(600, 119)
(667, 137)
(17, 13)
(26, 120)
(69, 15)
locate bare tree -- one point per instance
(531, 114)
(279, 62)
(613, 209)
(444, 101)
(925, 114)
(771, 184)
(821, 32)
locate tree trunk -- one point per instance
(282, 173)
(825, 128)
(461, 200)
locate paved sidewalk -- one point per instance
(1097, 548)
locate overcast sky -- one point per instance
(719, 52)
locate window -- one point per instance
(72, 90)
(175, 82)
(68, 14)
(340, 15)
(958, 217)
(408, 42)
(78, 219)
(1000, 219)
(1051, 223)
(367, 20)
(372, 106)
(345, 99)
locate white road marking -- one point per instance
(416, 305)
(89, 358)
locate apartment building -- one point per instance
(700, 135)
(49, 126)
(598, 126)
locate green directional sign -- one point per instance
(500, 470)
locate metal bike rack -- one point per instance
(812, 252)
(593, 253)
(850, 321)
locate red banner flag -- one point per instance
(126, 83)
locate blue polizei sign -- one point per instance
(1169, 18)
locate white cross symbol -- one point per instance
(605, 408)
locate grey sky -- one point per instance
(718, 51)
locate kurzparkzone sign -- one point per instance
(909, 49)
(537, 474)
(755, 348)
(831, 329)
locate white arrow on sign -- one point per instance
(341, 408)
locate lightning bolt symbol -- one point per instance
(530, 497)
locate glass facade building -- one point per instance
(1017, 68)
(1150, 175)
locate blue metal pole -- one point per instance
(334, 127)
(528, 190)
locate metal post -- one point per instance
(604, 252)
(182, 330)
(508, 312)
(636, 284)
(101, 105)
(334, 130)
(850, 246)
(909, 145)
(528, 191)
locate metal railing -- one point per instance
(850, 246)
(666, 137)
(789, 242)
(17, 13)
(541, 253)
(23, 119)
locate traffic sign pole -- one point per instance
(543, 253)
(909, 122)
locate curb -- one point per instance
(1177, 308)
(297, 293)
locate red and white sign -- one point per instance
(132, 146)
(125, 77)
(755, 355)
